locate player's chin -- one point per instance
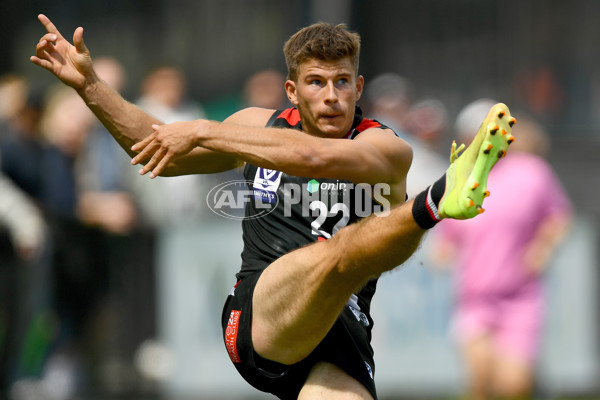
(332, 127)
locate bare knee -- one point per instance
(329, 382)
(513, 378)
(514, 387)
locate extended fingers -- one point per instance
(142, 144)
(48, 37)
(78, 40)
(156, 163)
(41, 62)
(45, 45)
(145, 154)
(48, 25)
(151, 148)
(164, 161)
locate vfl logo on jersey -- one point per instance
(266, 182)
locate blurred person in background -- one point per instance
(389, 99)
(22, 223)
(22, 218)
(500, 259)
(105, 199)
(78, 271)
(24, 287)
(13, 96)
(109, 206)
(174, 201)
(21, 144)
(297, 322)
(19, 213)
(264, 89)
(428, 121)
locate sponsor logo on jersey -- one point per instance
(312, 186)
(231, 333)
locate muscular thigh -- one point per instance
(328, 382)
(296, 301)
(346, 345)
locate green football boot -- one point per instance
(466, 178)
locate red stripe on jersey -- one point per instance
(363, 126)
(291, 115)
(366, 124)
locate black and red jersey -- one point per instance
(287, 212)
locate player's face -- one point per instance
(326, 94)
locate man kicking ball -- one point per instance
(297, 323)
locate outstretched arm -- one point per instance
(127, 123)
(375, 156)
(72, 64)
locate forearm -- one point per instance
(300, 154)
(127, 123)
(547, 238)
(286, 150)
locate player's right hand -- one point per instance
(71, 64)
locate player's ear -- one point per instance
(290, 90)
(360, 84)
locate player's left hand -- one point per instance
(163, 145)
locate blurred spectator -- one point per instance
(24, 290)
(22, 218)
(21, 145)
(22, 223)
(266, 89)
(78, 267)
(86, 228)
(163, 94)
(389, 100)
(108, 202)
(105, 174)
(540, 92)
(427, 119)
(13, 96)
(174, 200)
(501, 256)
(65, 124)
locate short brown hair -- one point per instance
(321, 41)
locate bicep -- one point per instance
(375, 156)
(251, 116)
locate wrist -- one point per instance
(89, 87)
(202, 129)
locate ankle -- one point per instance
(426, 204)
